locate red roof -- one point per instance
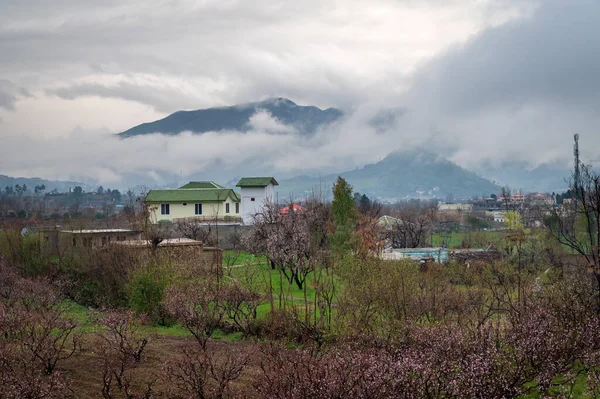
(295, 208)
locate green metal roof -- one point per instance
(256, 182)
(192, 195)
(201, 184)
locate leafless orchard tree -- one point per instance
(35, 337)
(195, 230)
(287, 241)
(121, 347)
(414, 226)
(154, 233)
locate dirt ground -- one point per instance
(84, 369)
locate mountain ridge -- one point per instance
(305, 118)
(417, 173)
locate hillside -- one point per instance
(304, 118)
(31, 182)
(401, 175)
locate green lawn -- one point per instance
(476, 239)
(232, 257)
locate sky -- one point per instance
(482, 82)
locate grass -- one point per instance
(475, 238)
(580, 389)
(232, 257)
(86, 324)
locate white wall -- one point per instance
(260, 195)
(209, 210)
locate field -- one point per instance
(467, 239)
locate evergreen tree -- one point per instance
(344, 216)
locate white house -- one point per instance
(499, 216)
(255, 192)
(202, 201)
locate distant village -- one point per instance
(111, 217)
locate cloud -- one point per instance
(268, 147)
(263, 120)
(211, 53)
(10, 94)
(162, 99)
(485, 83)
(515, 92)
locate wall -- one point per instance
(260, 195)
(226, 232)
(97, 239)
(210, 210)
(193, 258)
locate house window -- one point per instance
(185, 203)
(227, 208)
(252, 199)
(198, 209)
(121, 238)
(165, 209)
(237, 207)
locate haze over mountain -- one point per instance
(31, 182)
(306, 119)
(417, 173)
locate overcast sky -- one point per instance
(480, 81)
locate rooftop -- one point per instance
(256, 182)
(98, 231)
(171, 242)
(192, 195)
(201, 184)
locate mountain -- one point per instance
(304, 118)
(548, 177)
(401, 175)
(31, 182)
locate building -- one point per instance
(439, 255)
(199, 200)
(294, 208)
(455, 208)
(499, 216)
(255, 192)
(87, 238)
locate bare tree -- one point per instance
(414, 225)
(286, 240)
(195, 230)
(121, 347)
(576, 223)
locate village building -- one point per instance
(255, 192)
(200, 200)
(98, 238)
(467, 208)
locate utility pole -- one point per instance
(576, 172)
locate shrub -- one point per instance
(146, 290)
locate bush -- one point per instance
(146, 291)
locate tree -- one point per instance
(100, 190)
(576, 223)
(344, 216)
(415, 223)
(506, 194)
(287, 241)
(39, 189)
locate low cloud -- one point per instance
(268, 147)
(10, 93)
(162, 99)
